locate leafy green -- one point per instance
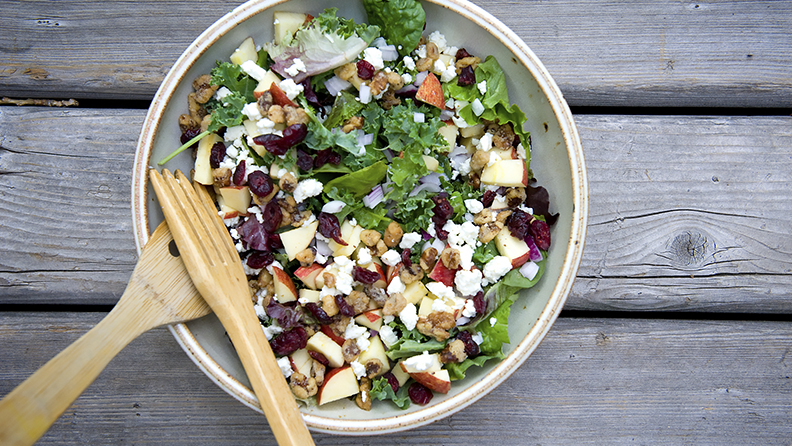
(345, 106)
(368, 218)
(457, 370)
(495, 334)
(485, 252)
(359, 183)
(382, 390)
(415, 213)
(401, 21)
(231, 76)
(329, 22)
(411, 342)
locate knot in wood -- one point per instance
(690, 248)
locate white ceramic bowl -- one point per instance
(557, 162)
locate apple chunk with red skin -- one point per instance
(437, 381)
(236, 197)
(509, 246)
(298, 239)
(309, 274)
(370, 319)
(431, 92)
(441, 273)
(284, 286)
(321, 343)
(508, 173)
(339, 383)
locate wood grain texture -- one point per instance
(621, 53)
(677, 222)
(629, 381)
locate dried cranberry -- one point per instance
(274, 242)
(319, 357)
(466, 77)
(471, 348)
(254, 235)
(343, 306)
(442, 208)
(479, 303)
(304, 161)
(217, 154)
(309, 93)
(279, 145)
(190, 134)
(364, 275)
(405, 255)
(365, 70)
(541, 234)
(488, 198)
(519, 223)
(260, 259)
(289, 341)
(392, 380)
(330, 228)
(318, 313)
(462, 53)
(239, 174)
(419, 394)
(271, 216)
(326, 156)
(295, 134)
(260, 183)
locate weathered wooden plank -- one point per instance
(621, 53)
(629, 381)
(677, 221)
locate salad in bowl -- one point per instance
(376, 179)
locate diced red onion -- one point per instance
(388, 154)
(459, 150)
(333, 207)
(426, 186)
(534, 254)
(336, 85)
(445, 115)
(425, 235)
(438, 244)
(374, 197)
(389, 52)
(365, 94)
(379, 42)
(364, 139)
(419, 78)
(407, 90)
(323, 248)
(529, 270)
(431, 178)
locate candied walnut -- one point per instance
(306, 256)
(432, 51)
(395, 303)
(424, 64)
(454, 352)
(350, 350)
(469, 61)
(329, 305)
(358, 300)
(515, 196)
(411, 274)
(299, 218)
(312, 329)
(353, 123)
(253, 286)
(346, 72)
(221, 177)
(379, 83)
(377, 294)
(489, 231)
(204, 90)
(264, 102)
(196, 109)
(302, 386)
(389, 100)
(186, 122)
(381, 248)
(329, 279)
(262, 201)
(479, 159)
(264, 278)
(474, 180)
(288, 183)
(374, 367)
(502, 216)
(428, 259)
(363, 399)
(339, 325)
(276, 114)
(393, 234)
(370, 237)
(483, 217)
(318, 372)
(295, 115)
(502, 135)
(396, 82)
(450, 257)
(436, 324)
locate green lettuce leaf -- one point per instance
(381, 390)
(400, 21)
(457, 370)
(359, 183)
(494, 329)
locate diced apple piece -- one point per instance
(203, 169)
(284, 286)
(473, 131)
(298, 239)
(370, 319)
(414, 292)
(431, 92)
(307, 295)
(508, 173)
(375, 351)
(236, 197)
(338, 383)
(512, 248)
(308, 275)
(329, 333)
(382, 281)
(467, 143)
(434, 365)
(287, 23)
(279, 97)
(400, 375)
(431, 163)
(351, 235)
(507, 154)
(301, 361)
(245, 52)
(426, 306)
(391, 272)
(322, 343)
(437, 381)
(265, 83)
(441, 273)
(449, 132)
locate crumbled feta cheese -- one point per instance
(354, 330)
(233, 133)
(363, 342)
(470, 308)
(253, 70)
(265, 125)
(358, 368)
(364, 256)
(521, 151)
(474, 206)
(391, 258)
(420, 362)
(482, 87)
(387, 336)
(221, 93)
(485, 142)
(396, 286)
(446, 73)
(260, 312)
(468, 282)
(307, 188)
(493, 321)
(477, 107)
(438, 39)
(290, 88)
(440, 290)
(284, 363)
(409, 315)
(494, 158)
(271, 331)
(497, 268)
(374, 57)
(409, 240)
(296, 67)
(440, 305)
(409, 63)
(407, 78)
(252, 111)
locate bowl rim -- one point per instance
(520, 352)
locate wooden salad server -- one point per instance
(159, 292)
(213, 263)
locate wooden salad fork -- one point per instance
(214, 265)
(159, 292)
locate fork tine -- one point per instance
(208, 203)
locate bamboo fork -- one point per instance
(159, 292)
(216, 270)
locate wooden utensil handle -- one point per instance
(30, 409)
